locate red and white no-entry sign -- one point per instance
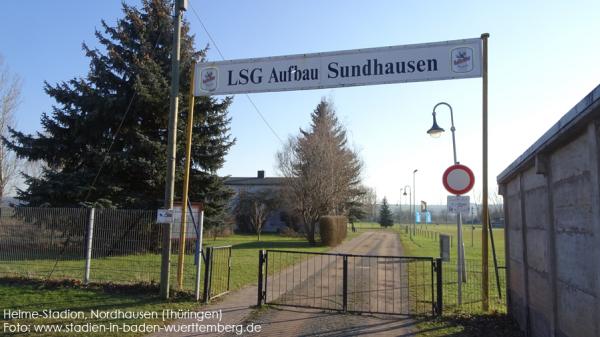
(458, 179)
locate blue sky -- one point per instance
(543, 60)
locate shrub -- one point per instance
(333, 229)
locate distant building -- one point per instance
(256, 184)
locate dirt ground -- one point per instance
(375, 284)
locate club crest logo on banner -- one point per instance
(209, 79)
(462, 59)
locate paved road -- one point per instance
(376, 284)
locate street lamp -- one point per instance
(414, 189)
(409, 199)
(436, 131)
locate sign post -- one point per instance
(459, 179)
(186, 181)
(484, 172)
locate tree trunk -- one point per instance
(310, 233)
(311, 238)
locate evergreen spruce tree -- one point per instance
(323, 171)
(127, 89)
(385, 214)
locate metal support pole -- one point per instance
(261, 261)
(88, 252)
(198, 258)
(171, 152)
(459, 260)
(439, 284)
(485, 212)
(186, 180)
(345, 284)
(207, 272)
(414, 196)
(412, 216)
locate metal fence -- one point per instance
(217, 271)
(91, 245)
(472, 295)
(374, 284)
(347, 282)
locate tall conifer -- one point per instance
(385, 214)
(127, 88)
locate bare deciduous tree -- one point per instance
(323, 173)
(10, 93)
(496, 206)
(252, 209)
(369, 203)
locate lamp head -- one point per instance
(435, 130)
(404, 192)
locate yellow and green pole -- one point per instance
(186, 179)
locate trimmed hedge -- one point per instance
(333, 229)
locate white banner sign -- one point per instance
(458, 204)
(408, 63)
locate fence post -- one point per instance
(229, 270)
(261, 261)
(345, 285)
(198, 254)
(88, 251)
(207, 272)
(440, 291)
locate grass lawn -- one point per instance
(488, 325)
(145, 268)
(244, 268)
(426, 245)
(34, 296)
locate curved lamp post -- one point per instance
(436, 130)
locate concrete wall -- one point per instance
(552, 214)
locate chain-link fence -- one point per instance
(91, 245)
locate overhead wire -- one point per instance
(260, 114)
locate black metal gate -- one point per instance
(351, 283)
(217, 272)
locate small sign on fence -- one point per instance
(164, 216)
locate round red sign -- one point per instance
(458, 179)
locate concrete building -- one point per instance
(256, 184)
(552, 214)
